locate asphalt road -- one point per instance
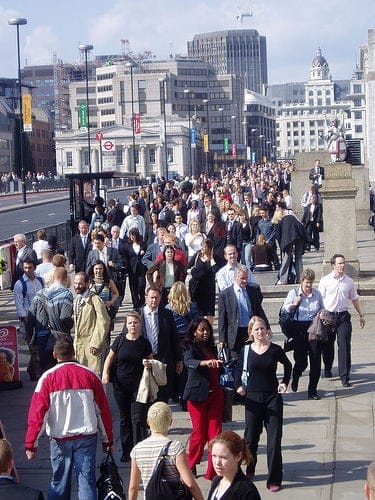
(18, 218)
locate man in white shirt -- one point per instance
(337, 289)
(226, 275)
(133, 220)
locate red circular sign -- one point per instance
(108, 145)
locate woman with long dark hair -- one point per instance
(104, 286)
(135, 249)
(203, 393)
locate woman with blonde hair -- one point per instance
(183, 311)
(145, 455)
(229, 451)
(194, 238)
(263, 401)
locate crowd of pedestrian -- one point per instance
(174, 243)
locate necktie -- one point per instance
(243, 309)
(154, 332)
(230, 225)
(79, 305)
(84, 241)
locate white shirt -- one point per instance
(225, 276)
(337, 291)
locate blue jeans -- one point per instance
(78, 453)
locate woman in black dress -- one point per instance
(134, 252)
(130, 352)
(263, 401)
(202, 268)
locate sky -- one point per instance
(294, 30)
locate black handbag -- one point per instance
(159, 488)
(286, 320)
(109, 484)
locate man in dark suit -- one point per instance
(312, 219)
(234, 231)
(9, 488)
(316, 174)
(159, 328)
(108, 255)
(208, 207)
(23, 252)
(237, 304)
(80, 247)
(119, 272)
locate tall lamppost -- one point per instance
(164, 113)
(20, 21)
(221, 109)
(129, 65)
(261, 137)
(187, 93)
(85, 47)
(206, 101)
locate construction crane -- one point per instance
(241, 16)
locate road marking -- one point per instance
(25, 220)
(53, 213)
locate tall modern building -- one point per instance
(239, 52)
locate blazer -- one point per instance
(229, 315)
(202, 216)
(198, 378)
(234, 236)
(317, 214)
(160, 267)
(133, 262)
(78, 254)
(168, 345)
(150, 256)
(112, 254)
(15, 491)
(241, 488)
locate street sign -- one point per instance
(226, 145)
(99, 136)
(193, 137)
(234, 150)
(108, 146)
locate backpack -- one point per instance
(159, 488)
(24, 287)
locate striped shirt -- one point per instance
(147, 452)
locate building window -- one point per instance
(358, 129)
(357, 89)
(151, 155)
(119, 160)
(86, 158)
(170, 155)
(357, 101)
(69, 159)
(358, 115)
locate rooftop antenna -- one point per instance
(240, 17)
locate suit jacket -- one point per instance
(317, 214)
(15, 491)
(78, 254)
(312, 174)
(133, 262)
(28, 253)
(150, 255)
(112, 254)
(229, 314)
(234, 236)
(202, 216)
(168, 346)
(198, 381)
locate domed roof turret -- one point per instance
(319, 61)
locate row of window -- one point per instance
(151, 152)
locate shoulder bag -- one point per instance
(286, 320)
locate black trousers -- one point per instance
(137, 285)
(344, 336)
(262, 408)
(133, 425)
(313, 234)
(303, 350)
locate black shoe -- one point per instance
(328, 374)
(194, 471)
(346, 383)
(315, 397)
(183, 404)
(294, 385)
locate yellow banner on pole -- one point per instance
(206, 148)
(26, 113)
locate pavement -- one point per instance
(327, 444)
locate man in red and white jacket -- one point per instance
(70, 403)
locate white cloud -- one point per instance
(40, 46)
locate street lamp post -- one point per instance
(85, 47)
(164, 112)
(20, 21)
(205, 101)
(129, 65)
(187, 93)
(222, 132)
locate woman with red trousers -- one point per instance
(203, 393)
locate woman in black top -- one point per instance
(130, 352)
(134, 252)
(263, 401)
(228, 452)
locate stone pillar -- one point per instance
(94, 160)
(160, 161)
(142, 161)
(339, 216)
(127, 159)
(77, 160)
(362, 202)
(300, 178)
